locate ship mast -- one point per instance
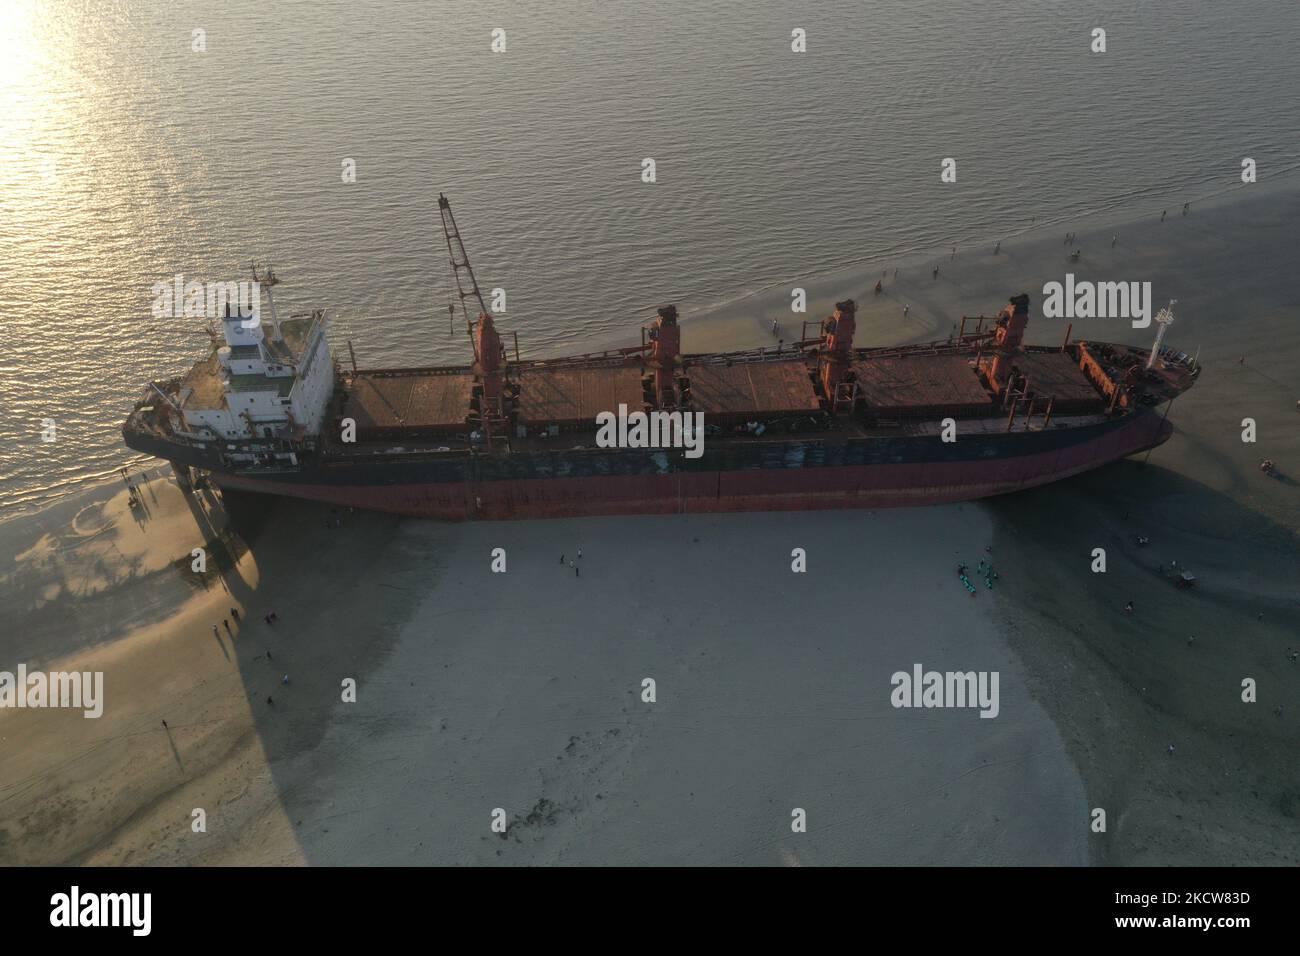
(269, 281)
(1165, 318)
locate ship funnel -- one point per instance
(1011, 324)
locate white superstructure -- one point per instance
(260, 386)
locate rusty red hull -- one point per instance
(684, 492)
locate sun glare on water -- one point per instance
(30, 108)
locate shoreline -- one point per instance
(708, 327)
(719, 324)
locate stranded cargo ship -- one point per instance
(819, 423)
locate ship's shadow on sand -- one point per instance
(1125, 686)
(343, 584)
(1182, 520)
(340, 585)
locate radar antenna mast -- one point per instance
(1165, 318)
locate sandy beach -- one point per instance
(524, 691)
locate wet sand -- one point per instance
(523, 690)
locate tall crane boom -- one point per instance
(459, 259)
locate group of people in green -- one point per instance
(985, 570)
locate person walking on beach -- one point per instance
(1114, 239)
(164, 725)
(1185, 205)
(561, 559)
(936, 272)
(577, 571)
(284, 679)
(906, 309)
(215, 632)
(234, 612)
(997, 246)
(579, 554)
(774, 326)
(226, 623)
(1163, 213)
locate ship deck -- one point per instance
(904, 390)
(1057, 375)
(575, 396)
(729, 393)
(418, 399)
(922, 385)
(841, 429)
(203, 382)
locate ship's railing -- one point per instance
(421, 370)
(631, 355)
